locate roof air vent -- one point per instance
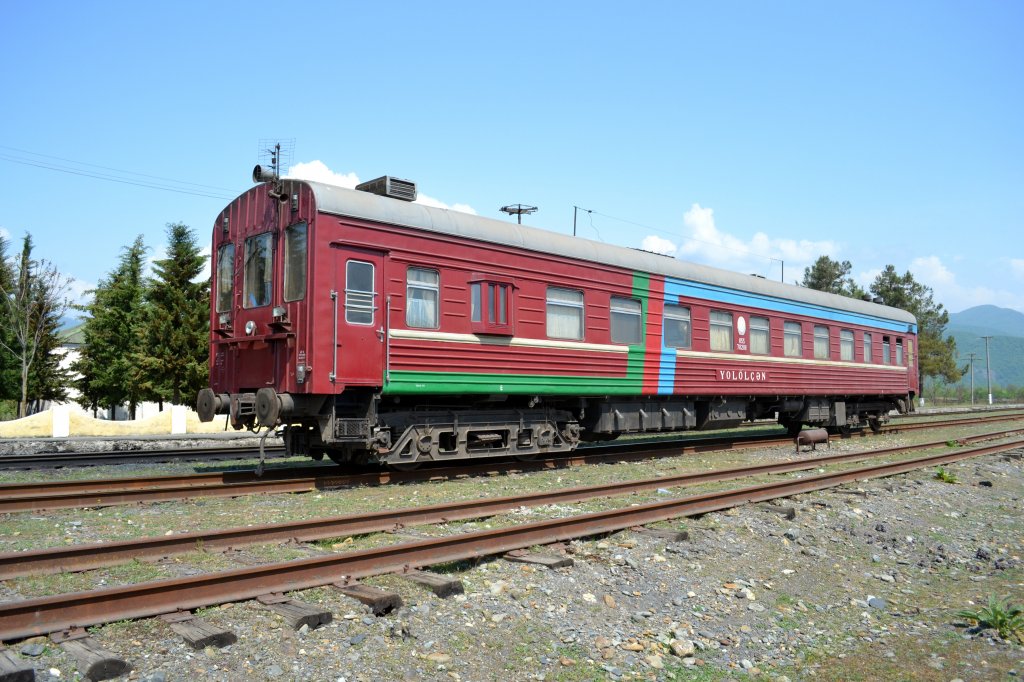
(387, 186)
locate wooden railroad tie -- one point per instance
(523, 556)
(380, 601)
(662, 533)
(94, 662)
(788, 513)
(441, 585)
(13, 669)
(197, 632)
(296, 613)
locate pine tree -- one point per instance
(176, 334)
(936, 355)
(111, 346)
(34, 300)
(832, 276)
(8, 371)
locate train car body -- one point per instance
(372, 328)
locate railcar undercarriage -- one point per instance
(362, 427)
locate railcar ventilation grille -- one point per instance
(387, 186)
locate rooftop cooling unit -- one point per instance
(387, 186)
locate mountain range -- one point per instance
(1006, 347)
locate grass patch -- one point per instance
(999, 614)
(945, 476)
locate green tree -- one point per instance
(112, 333)
(8, 369)
(34, 301)
(832, 276)
(936, 353)
(176, 333)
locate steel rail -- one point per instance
(54, 460)
(50, 614)
(44, 460)
(35, 497)
(98, 555)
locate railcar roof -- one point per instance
(358, 204)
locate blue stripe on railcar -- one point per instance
(710, 292)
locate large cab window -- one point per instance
(259, 270)
(295, 251)
(225, 277)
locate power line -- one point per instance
(200, 190)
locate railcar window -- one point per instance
(846, 345)
(867, 348)
(721, 330)
(421, 294)
(792, 345)
(820, 342)
(474, 302)
(565, 313)
(359, 292)
(760, 336)
(885, 350)
(677, 326)
(225, 277)
(295, 262)
(625, 319)
(899, 351)
(259, 270)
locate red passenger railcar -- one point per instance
(372, 328)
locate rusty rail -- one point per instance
(97, 555)
(49, 614)
(50, 495)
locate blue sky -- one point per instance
(740, 134)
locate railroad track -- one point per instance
(50, 495)
(90, 556)
(50, 614)
(58, 460)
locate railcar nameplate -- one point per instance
(741, 375)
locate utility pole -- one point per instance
(988, 369)
(972, 378)
(576, 208)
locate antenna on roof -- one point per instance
(276, 160)
(518, 210)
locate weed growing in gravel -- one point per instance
(1005, 618)
(945, 476)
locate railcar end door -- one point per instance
(360, 324)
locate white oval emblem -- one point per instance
(741, 325)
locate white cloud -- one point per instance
(436, 203)
(705, 243)
(947, 290)
(1016, 267)
(77, 289)
(317, 171)
(4, 233)
(658, 245)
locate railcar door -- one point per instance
(360, 317)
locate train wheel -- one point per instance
(792, 428)
(876, 424)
